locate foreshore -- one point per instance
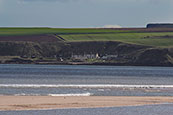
(8, 103)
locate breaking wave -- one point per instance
(80, 94)
(58, 95)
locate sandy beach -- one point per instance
(48, 102)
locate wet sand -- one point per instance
(48, 102)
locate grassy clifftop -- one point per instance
(133, 46)
(141, 36)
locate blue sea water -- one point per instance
(163, 109)
(23, 79)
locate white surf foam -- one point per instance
(24, 94)
(81, 86)
(70, 94)
(80, 94)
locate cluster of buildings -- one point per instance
(93, 56)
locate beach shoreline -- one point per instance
(13, 103)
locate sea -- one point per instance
(85, 80)
(160, 109)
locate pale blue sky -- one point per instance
(84, 13)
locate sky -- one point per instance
(84, 13)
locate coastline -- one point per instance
(92, 64)
(9, 103)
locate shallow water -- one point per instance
(164, 109)
(21, 79)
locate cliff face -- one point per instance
(154, 57)
(102, 48)
(127, 54)
(29, 49)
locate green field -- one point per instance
(150, 39)
(38, 31)
(159, 39)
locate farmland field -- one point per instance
(150, 37)
(163, 39)
(39, 31)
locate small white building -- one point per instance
(85, 56)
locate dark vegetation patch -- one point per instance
(159, 37)
(30, 38)
(29, 49)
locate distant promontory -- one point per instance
(152, 46)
